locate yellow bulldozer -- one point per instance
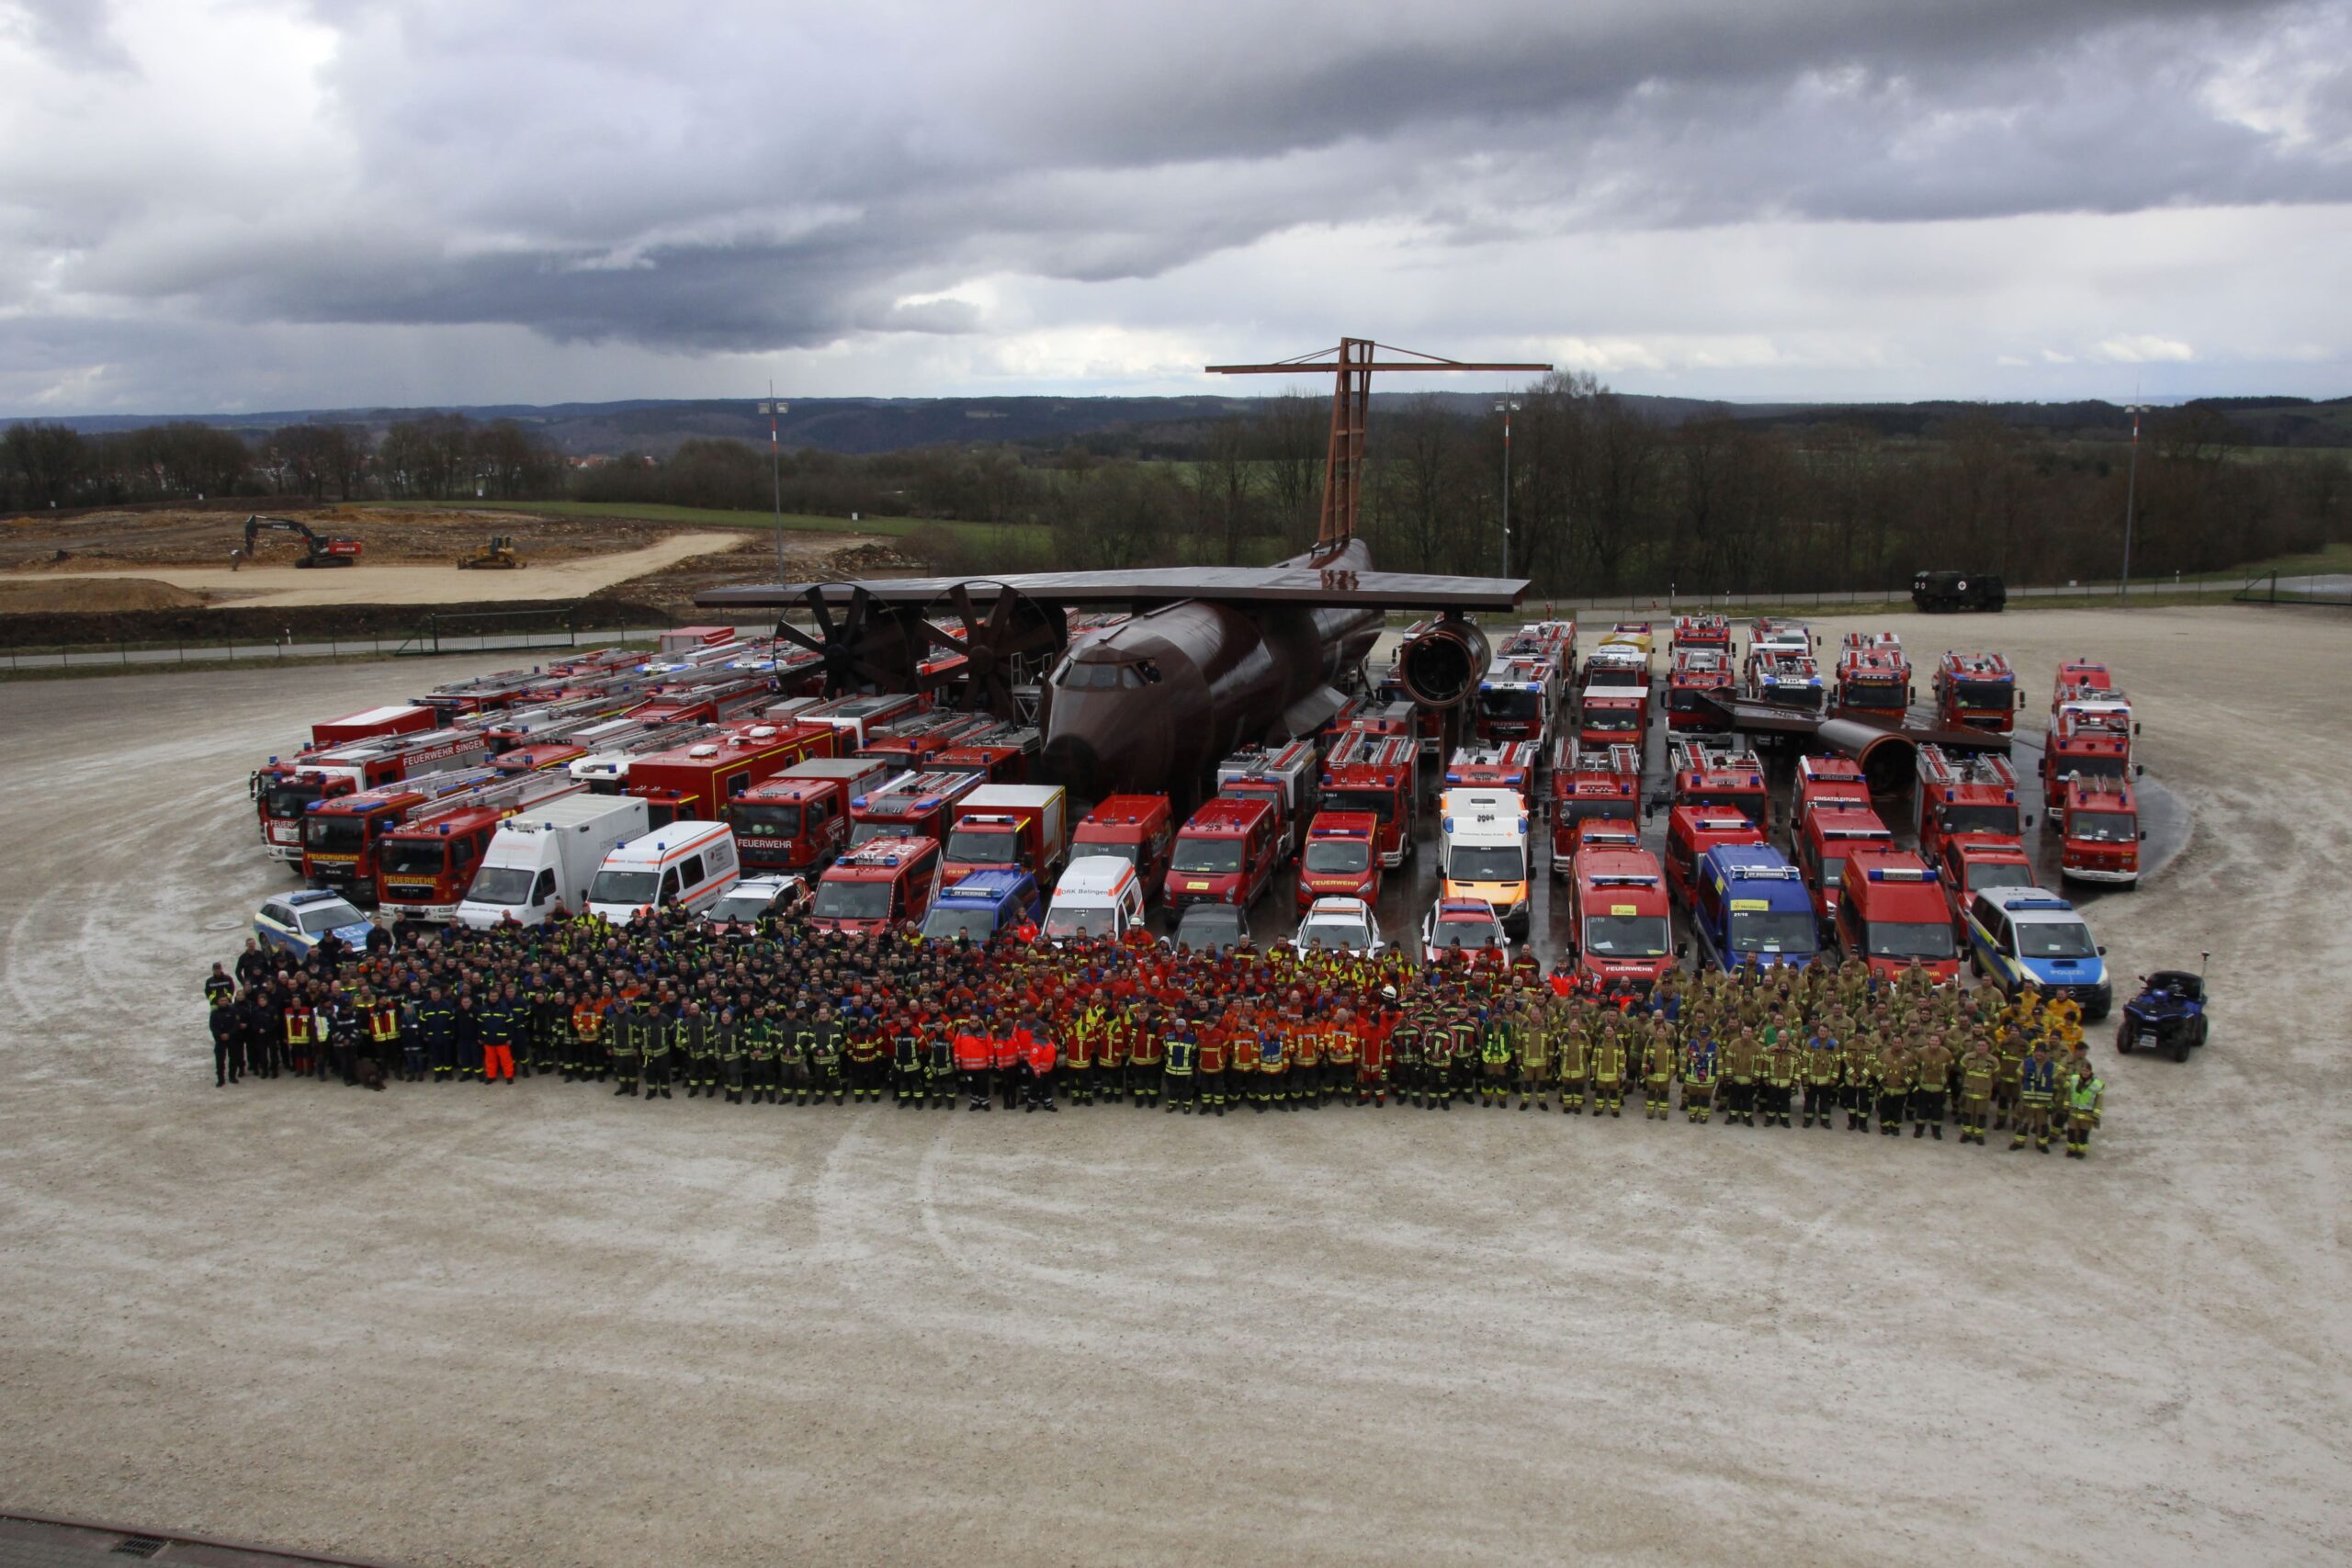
(499, 555)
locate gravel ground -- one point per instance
(544, 1324)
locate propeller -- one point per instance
(1000, 646)
(867, 647)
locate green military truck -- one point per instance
(1934, 591)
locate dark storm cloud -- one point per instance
(791, 177)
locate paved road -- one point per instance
(191, 653)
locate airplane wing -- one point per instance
(1224, 584)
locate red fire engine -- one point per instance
(538, 758)
(909, 806)
(1286, 776)
(1510, 766)
(479, 694)
(1003, 751)
(1718, 775)
(909, 741)
(1696, 669)
(729, 695)
(799, 818)
(1691, 831)
(283, 791)
(1613, 714)
(1702, 630)
(1825, 838)
(424, 865)
(1379, 774)
(1516, 700)
(1341, 859)
(1137, 828)
(1587, 785)
(1963, 794)
(1621, 929)
(2098, 828)
(858, 716)
(876, 885)
(340, 836)
(1978, 690)
(2084, 675)
(2090, 736)
(1971, 862)
(1874, 674)
(1892, 912)
(699, 783)
(1226, 854)
(400, 719)
(1823, 781)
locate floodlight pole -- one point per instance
(2130, 495)
(1505, 407)
(775, 468)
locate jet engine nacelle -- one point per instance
(1886, 756)
(1445, 664)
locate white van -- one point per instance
(1098, 895)
(546, 856)
(692, 865)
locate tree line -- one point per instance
(1603, 497)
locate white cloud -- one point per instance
(2144, 348)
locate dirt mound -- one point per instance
(94, 595)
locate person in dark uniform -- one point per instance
(226, 1047)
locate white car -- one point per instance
(756, 895)
(1466, 924)
(1339, 925)
(294, 922)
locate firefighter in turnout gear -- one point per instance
(1698, 1079)
(1932, 1077)
(2084, 1091)
(1821, 1074)
(1183, 1055)
(2037, 1088)
(656, 1044)
(906, 1063)
(1608, 1072)
(728, 1039)
(1661, 1059)
(627, 1027)
(1497, 1042)
(1978, 1069)
(1572, 1059)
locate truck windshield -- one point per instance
(1910, 938)
(1772, 930)
(864, 833)
(1514, 702)
(290, 800)
(984, 846)
(1335, 936)
(2103, 827)
(1983, 693)
(1486, 862)
(1615, 674)
(1215, 857)
(947, 922)
(1751, 806)
(1611, 720)
(1379, 802)
(757, 821)
(1620, 807)
(411, 857)
(334, 835)
(1100, 850)
(2108, 765)
(852, 901)
(1625, 936)
(1684, 699)
(2055, 938)
(633, 888)
(508, 885)
(1064, 921)
(1337, 857)
(2001, 819)
(1997, 874)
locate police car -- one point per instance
(1339, 925)
(2016, 934)
(295, 922)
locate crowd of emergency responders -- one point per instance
(777, 1012)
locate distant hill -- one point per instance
(864, 425)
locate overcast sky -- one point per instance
(270, 204)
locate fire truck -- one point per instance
(1718, 775)
(1706, 630)
(339, 836)
(1341, 860)
(1963, 794)
(910, 741)
(1286, 775)
(704, 696)
(2081, 675)
(1379, 774)
(1009, 827)
(1510, 766)
(2098, 828)
(1554, 642)
(454, 699)
(399, 719)
(1136, 828)
(1978, 690)
(1786, 679)
(699, 783)
(1691, 831)
(857, 717)
(1696, 669)
(1226, 854)
(1516, 701)
(1005, 752)
(559, 720)
(877, 884)
(283, 791)
(908, 805)
(1892, 913)
(1615, 664)
(799, 818)
(1874, 674)
(1970, 863)
(1825, 836)
(424, 865)
(2091, 737)
(1827, 781)
(1613, 716)
(609, 750)
(1776, 635)
(1621, 929)
(538, 758)
(1589, 784)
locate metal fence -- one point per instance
(201, 650)
(476, 631)
(2324, 589)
